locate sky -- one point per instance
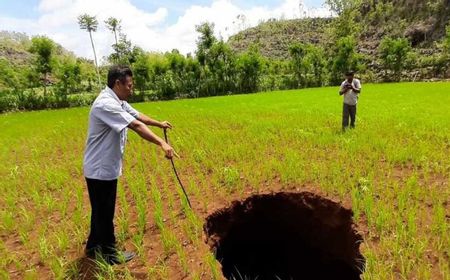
(153, 25)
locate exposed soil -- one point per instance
(285, 236)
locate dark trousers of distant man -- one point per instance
(102, 195)
(349, 111)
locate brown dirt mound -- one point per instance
(285, 236)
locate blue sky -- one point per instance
(152, 25)
(29, 8)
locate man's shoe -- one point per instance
(93, 252)
(121, 257)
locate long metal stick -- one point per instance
(176, 173)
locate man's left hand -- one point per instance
(165, 125)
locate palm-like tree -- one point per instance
(113, 24)
(90, 24)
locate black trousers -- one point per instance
(102, 195)
(349, 111)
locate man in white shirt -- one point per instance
(350, 88)
(109, 118)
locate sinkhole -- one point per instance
(285, 236)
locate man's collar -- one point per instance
(113, 94)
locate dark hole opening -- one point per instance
(286, 236)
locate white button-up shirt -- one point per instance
(107, 134)
(351, 97)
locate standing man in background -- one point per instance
(109, 118)
(351, 89)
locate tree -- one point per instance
(9, 78)
(113, 24)
(345, 58)
(204, 44)
(299, 64)
(447, 39)
(222, 64)
(69, 75)
(43, 47)
(446, 50)
(393, 55)
(205, 41)
(90, 24)
(249, 67)
(123, 52)
(141, 70)
(316, 59)
(339, 6)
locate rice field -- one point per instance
(392, 170)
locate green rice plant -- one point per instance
(444, 268)
(138, 243)
(63, 241)
(169, 241)
(30, 274)
(182, 258)
(157, 272)
(57, 266)
(440, 225)
(213, 266)
(24, 236)
(157, 211)
(4, 274)
(104, 271)
(356, 203)
(8, 222)
(142, 214)
(44, 249)
(123, 224)
(230, 176)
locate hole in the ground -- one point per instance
(285, 236)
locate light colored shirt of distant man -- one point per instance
(351, 95)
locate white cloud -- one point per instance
(49, 5)
(149, 30)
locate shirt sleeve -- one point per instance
(357, 84)
(127, 107)
(114, 116)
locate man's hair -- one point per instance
(350, 73)
(118, 72)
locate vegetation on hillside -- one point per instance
(378, 39)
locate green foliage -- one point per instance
(88, 23)
(113, 24)
(307, 62)
(275, 55)
(141, 72)
(10, 75)
(299, 63)
(316, 59)
(69, 74)
(447, 39)
(249, 67)
(345, 58)
(394, 54)
(9, 102)
(124, 52)
(205, 41)
(44, 48)
(275, 36)
(340, 6)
